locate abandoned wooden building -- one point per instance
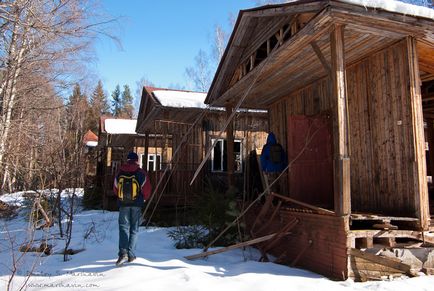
(342, 84)
(178, 129)
(116, 138)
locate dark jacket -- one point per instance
(142, 178)
(266, 164)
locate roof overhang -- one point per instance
(302, 59)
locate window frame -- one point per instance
(154, 161)
(223, 154)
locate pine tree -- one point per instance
(98, 106)
(77, 109)
(117, 103)
(127, 102)
(77, 120)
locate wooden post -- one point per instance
(230, 157)
(341, 162)
(145, 160)
(419, 168)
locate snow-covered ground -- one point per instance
(159, 265)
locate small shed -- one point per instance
(342, 83)
(90, 141)
(178, 130)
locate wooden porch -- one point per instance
(342, 83)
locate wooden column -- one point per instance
(341, 162)
(146, 150)
(230, 157)
(419, 168)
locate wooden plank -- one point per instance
(315, 28)
(381, 260)
(230, 147)
(320, 56)
(286, 9)
(359, 216)
(319, 209)
(386, 233)
(420, 185)
(232, 247)
(342, 176)
(270, 220)
(365, 243)
(389, 242)
(279, 235)
(263, 211)
(387, 21)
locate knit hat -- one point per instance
(132, 156)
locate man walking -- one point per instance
(133, 188)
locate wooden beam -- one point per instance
(365, 243)
(382, 20)
(230, 162)
(279, 235)
(232, 247)
(320, 56)
(341, 165)
(314, 29)
(288, 199)
(269, 221)
(419, 166)
(285, 9)
(381, 260)
(386, 233)
(146, 151)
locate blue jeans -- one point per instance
(129, 221)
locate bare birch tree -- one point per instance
(42, 42)
(220, 42)
(200, 72)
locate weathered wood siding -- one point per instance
(382, 152)
(381, 129)
(311, 100)
(317, 242)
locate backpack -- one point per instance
(128, 187)
(276, 153)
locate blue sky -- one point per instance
(160, 38)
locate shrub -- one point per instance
(214, 211)
(188, 237)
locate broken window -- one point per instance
(219, 156)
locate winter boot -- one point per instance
(121, 260)
(130, 259)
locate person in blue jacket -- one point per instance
(273, 156)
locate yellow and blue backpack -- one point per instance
(128, 187)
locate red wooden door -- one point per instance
(310, 148)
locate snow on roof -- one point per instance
(91, 144)
(395, 6)
(120, 126)
(180, 99)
